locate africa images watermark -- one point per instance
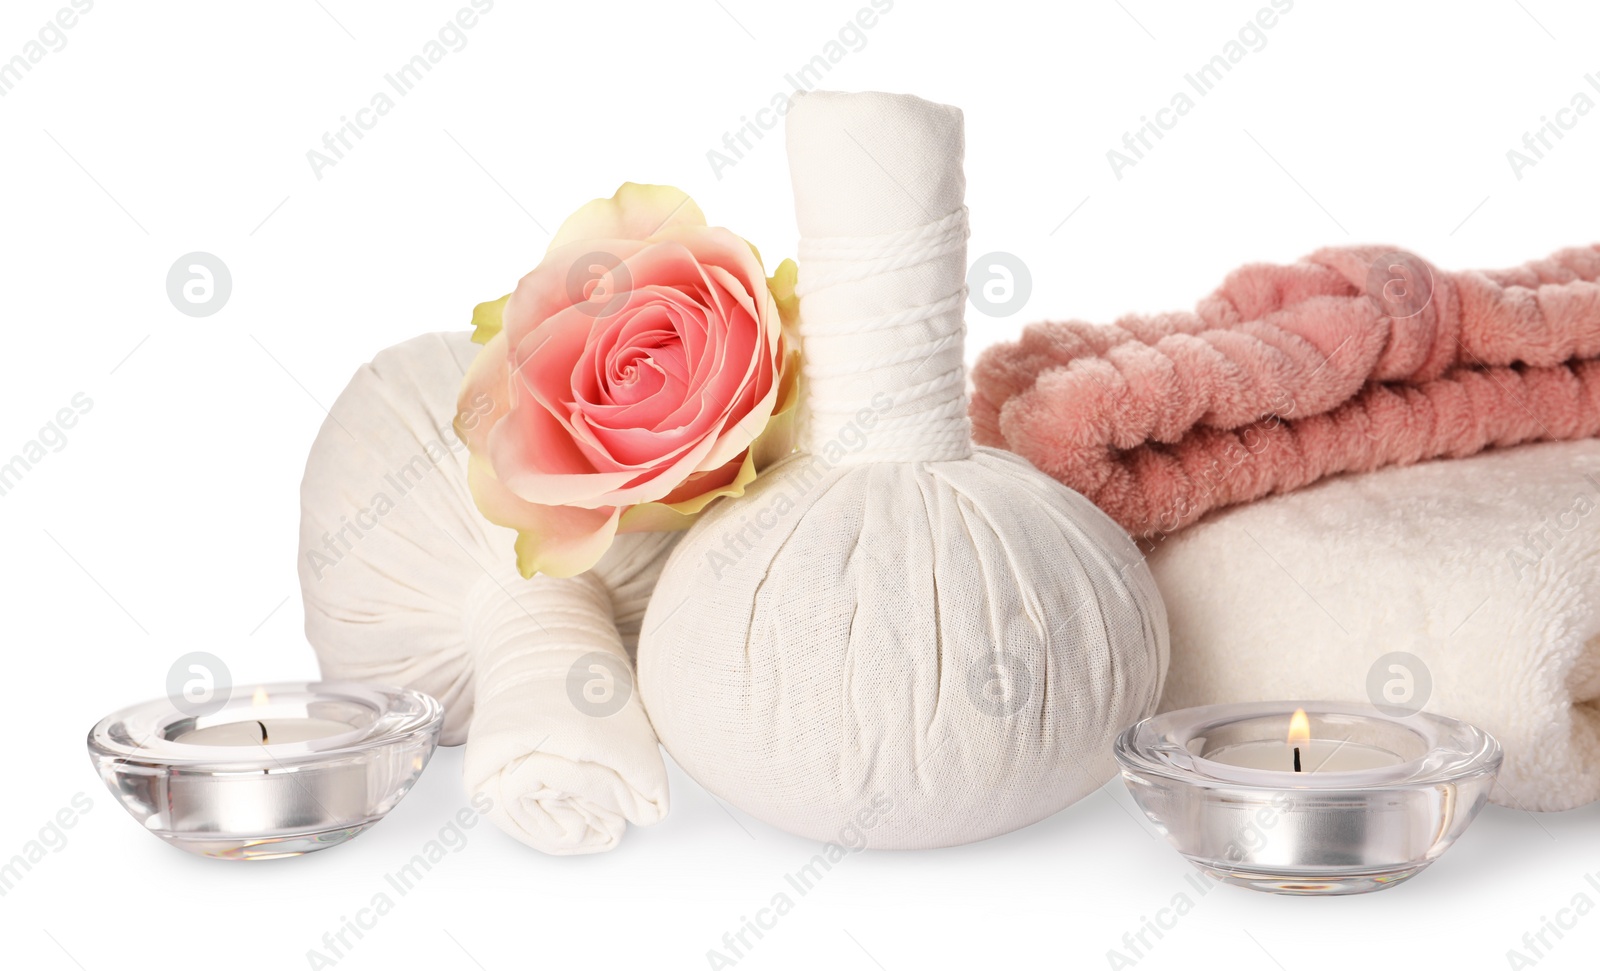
(451, 839)
(850, 438)
(851, 839)
(850, 39)
(399, 482)
(1251, 38)
(1250, 840)
(51, 39)
(52, 438)
(1536, 945)
(1541, 540)
(51, 839)
(451, 39)
(1537, 142)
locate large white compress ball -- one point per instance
(949, 648)
(895, 639)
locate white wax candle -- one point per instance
(279, 730)
(1316, 755)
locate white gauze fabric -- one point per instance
(894, 639)
(1486, 570)
(405, 583)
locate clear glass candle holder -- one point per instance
(1378, 797)
(278, 770)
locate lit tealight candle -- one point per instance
(267, 731)
(309, 767)
(1299, 752)
(1366, 806)
(264, 730)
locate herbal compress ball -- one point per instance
(894, 638)
(406, 584)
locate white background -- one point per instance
(167, 523)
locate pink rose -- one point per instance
(640, 371)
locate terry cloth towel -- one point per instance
(1470, 588)
(1353, 359)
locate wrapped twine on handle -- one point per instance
(883, 289)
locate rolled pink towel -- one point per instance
(1347, 361)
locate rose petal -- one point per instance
(565, 278)
(485, 395)
(715, 387)
(646, 334)
(677, 510)
(657, 482)
(642, 370)
(532, 447)
(716, 246)
(777, 440)
(693, 494)
(545, 451)
(634, 212)
(560, 541)
(782, 284)
(486, 319)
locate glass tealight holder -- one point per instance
(1378, 797)
(278, 770)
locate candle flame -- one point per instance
(260, 699)
(1299, 727)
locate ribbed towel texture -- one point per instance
(1350, 360)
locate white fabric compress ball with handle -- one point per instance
(895, 639)
(406, 584)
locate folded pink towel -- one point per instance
(1353, 359)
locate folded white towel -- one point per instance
(405, 583)
(1481, 576)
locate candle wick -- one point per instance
(264, 739)
(1296, 757)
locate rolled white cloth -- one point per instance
(895, 639)
(560, 742)
(1470, 587)
(405, 583)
